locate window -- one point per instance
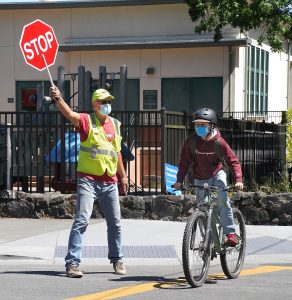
(257, 80)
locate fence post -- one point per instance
(61, 80)
(81, 88)
(102, 77)
(40, 100)
(123, 88)
(163, 149)
(8, 158)
(87, 101)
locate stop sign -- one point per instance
(38, 43)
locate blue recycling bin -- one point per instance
(72, 145)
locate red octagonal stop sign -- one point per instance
(38, 42)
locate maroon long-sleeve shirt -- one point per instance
(206, 162)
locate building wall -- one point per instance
(150, 20)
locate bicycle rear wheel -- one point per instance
(233, 257)
(196, 261)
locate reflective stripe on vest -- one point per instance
(94, 151)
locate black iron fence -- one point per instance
(44, 149)
(276, 117)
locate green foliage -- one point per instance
(273, 17)
(289, 135)
(282, 187)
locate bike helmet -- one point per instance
(206, 114)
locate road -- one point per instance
(32, 266)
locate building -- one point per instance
(168, 65)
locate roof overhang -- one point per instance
(81, 4)
(115, 43)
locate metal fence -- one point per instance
(44, 148)
(276, 117)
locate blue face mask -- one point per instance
(105, 109)
(202, 131)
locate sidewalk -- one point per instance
(145, 242)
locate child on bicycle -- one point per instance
(208, 152)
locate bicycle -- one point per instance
(203, 240)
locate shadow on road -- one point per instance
(48, 273)
(161, 282)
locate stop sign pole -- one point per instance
(39, 46)
(51, 80)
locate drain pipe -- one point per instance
(229, 71)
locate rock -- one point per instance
(265, 189)
(257, 207)
(259, 195)
(285, 219)
(280, 203)
(251, 215)
(188, 203)
(246, 199)
(54, 201)
(264, 216)
(42, 203)
(4, 195)
(134, 202)
(148, 203)
(132, 214)
(18, 209)
(96, 212)
(166, 208)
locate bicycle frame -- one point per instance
(216, 230)
(213, 233)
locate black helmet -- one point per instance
(206, 114)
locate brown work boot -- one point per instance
(119, 267)
(73, 272)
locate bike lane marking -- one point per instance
(147, 287)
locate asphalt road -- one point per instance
(30, 267)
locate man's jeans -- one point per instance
(107, 194)
(226, 215)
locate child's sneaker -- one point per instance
(231, 239)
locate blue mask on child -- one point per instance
(202, 131)
(105, 109)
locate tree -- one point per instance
(272, 17)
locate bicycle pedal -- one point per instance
(214, 255)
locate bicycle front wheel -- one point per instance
(233, 257)
(196, 260)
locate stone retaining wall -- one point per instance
(257, 207)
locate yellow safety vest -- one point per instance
(97, 155)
